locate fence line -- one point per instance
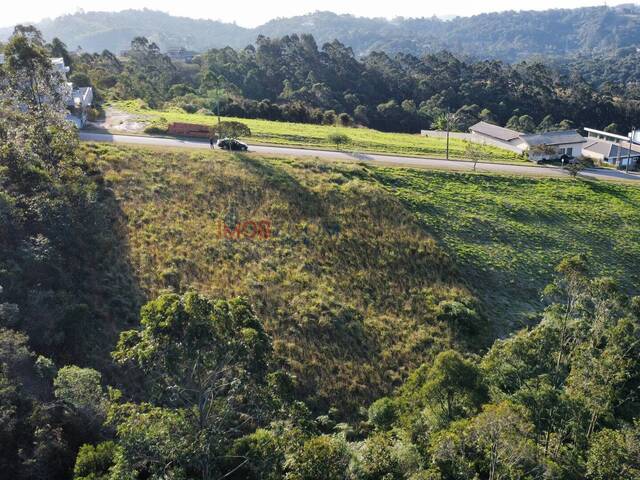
(441, 134)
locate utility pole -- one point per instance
(218, 108)
(633, 134)
(447, 118)
(218, 91)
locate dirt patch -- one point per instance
(118, 121)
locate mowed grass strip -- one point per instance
(301, 134)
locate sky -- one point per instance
(249, 13)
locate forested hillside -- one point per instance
(509, 36)
(98, 31)
(293, 79)
(617, 72)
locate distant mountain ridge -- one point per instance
(98, 31)
(509, 36)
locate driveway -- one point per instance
(374, 158)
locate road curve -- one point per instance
(435, 163)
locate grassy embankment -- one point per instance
(361, 259)
(508, 233)
(315, 136)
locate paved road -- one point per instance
(527, 170)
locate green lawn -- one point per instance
(301, 134)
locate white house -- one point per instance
(539, 146)
(611, 153)
(552, 145)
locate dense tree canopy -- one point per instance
(293, 79)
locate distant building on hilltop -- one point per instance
(181, 54)
(77, 100)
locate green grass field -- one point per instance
(300, 134)
(360, 258)
(507, 233)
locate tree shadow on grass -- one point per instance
(304, 200)
(611, 189)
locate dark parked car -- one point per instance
(232, 144)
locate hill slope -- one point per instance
(348, 283)
(363, 263)
(506, 35)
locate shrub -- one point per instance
(189, 107)
(575, 166)
(382, 413)
(80, 387)
(323, 457)
(94, 463)
(378, 459)
(338, 139)
(231, 129)
(613, 454)
(458, 316)
(264, 452)
(95, 113)
(345, 120)
(80, 79)
(329, 117)
(157, 127)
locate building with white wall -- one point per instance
(557, 144)
(552, 145)
(77, 100)
(612, 148)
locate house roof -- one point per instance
(608, 149)
(495, 131)
(553, 138)
(634, 148)
(599, 146)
